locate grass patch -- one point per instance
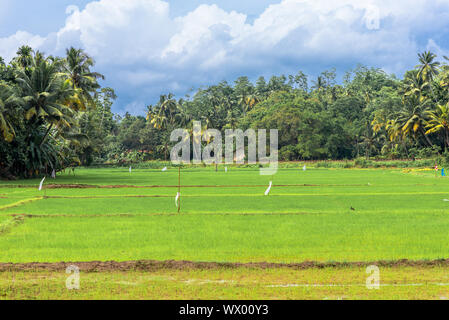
(325, 215)
(230, 238)
(234, 202)
(236, 284)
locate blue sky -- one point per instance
(43, 17)
(149, 47)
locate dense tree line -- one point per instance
(54, 114)
(44, 101)
(370, 114)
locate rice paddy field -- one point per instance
(312, 237)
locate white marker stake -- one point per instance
(304, 168)
(41, 184)
(165, 169)
(130, 169)
(226, 169)
(177, 198)
(269, 188)
(53, 174)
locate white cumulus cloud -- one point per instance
(9, 45)
(144, 51)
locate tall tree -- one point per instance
(8, 101)
(164, 116)
(428, 69)
(414, 121)
(47, 95)
(24, 56)
(78, 66)
(439, 122)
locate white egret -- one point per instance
(269, 188)
(177, 199)
(41, 184)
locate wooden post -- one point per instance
(179, 189)
(435, 169)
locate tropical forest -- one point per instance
(55, 114)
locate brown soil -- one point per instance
(150, 265)
(69, 186)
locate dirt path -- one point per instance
(151, 265)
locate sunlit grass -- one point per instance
(230, 238)
(240, 284)
(319, 215)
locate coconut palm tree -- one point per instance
(444, 75)
(77, 66)
(47, 95)
(182, 117)
(439, 121)
(24, 57)
(414, 86)
(428, 68)
(395, 134)
(414, 120)
(8, 101)
(394, 130)
(247, 102)
(319, 85)
(379, 122)
(165, 115)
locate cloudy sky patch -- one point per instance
(149, 47)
